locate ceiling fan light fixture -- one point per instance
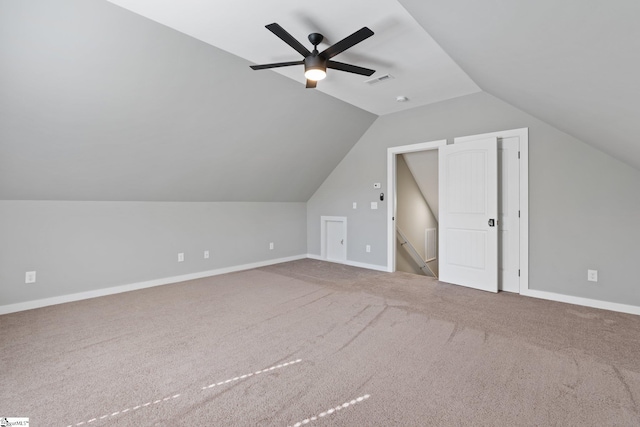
(315, 67)
(315, 74)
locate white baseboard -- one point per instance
(352, 263)
(551, 296)
(605, 305)
(29, 305)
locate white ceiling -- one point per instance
(422, 70)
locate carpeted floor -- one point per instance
(314, 343)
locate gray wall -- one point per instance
(112, 129)
(84, 246)
(584, 204)
(553, 59)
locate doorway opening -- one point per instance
(417, 212)
(410, 240)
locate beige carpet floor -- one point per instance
(319, 344)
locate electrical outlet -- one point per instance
(355, 205)
(374, 205)
(592, 275)
(271, 246)
(30, 277)
(368, 248)
(206, 254)
(181, 257)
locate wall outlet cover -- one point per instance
(30, 277)
(271, 246)
(374, 205)
(206, 254)
(368, 248)
(181, 257)
(592, 275)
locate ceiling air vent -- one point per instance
(376, 80)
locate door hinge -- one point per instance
(518, 214)
(518, 154)
(518, 273)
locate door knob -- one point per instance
(492, 222)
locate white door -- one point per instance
(509, 187)
(335, 241)
(468, 187)
(334, 235)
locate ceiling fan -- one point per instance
(316, 63)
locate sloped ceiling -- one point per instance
(572, 63)
(98, 103)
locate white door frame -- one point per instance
(323, 234)
(523, 135)
(391, 192)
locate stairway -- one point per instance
(415, 256)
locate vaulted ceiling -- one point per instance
(98, 103)
(101, 103)
(572, 63)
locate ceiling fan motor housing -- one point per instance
(315, 62)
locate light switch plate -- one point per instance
(374, 205)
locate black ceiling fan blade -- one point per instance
(288, 39)
(349, 41)
(276, 65)
(311, 84)
(350, 68)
